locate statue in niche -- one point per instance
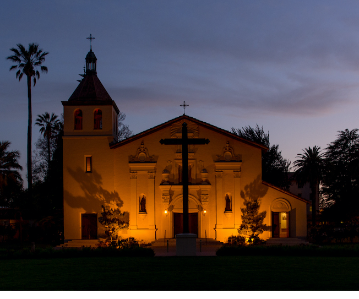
(228, 203)
(143, 204)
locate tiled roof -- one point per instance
(90, 91)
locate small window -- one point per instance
(88, 164)
(78, 119)
(98, 119)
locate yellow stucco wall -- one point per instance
(115, 179)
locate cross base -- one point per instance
(186, 244)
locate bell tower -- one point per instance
(90, 125)
(90, 111)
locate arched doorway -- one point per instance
(177, 214)
(280, 209)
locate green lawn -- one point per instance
(181, 273)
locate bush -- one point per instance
(241, 241)
(75, 252)
(236, 241)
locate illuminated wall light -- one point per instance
(166, 212)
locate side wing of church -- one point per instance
(143, 178)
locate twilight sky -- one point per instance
(289, 66)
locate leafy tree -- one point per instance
(341, 176)
(252, 221)
(113, 220)
(309, 168)
(27, 62)
(49, 126)
(274, 167)
(10, 178)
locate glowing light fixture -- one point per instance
(166, 212)
(204, 212)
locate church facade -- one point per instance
(144, 178)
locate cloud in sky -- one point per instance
(267, 58)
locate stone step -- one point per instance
(286, 241)
(172, 242)
(158, 243)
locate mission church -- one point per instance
(143, 178)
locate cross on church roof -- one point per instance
(90, 38)
(184, 107)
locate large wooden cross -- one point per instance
(184, 142)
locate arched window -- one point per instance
(98, 119)
(78, 119)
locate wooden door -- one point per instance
(275, 225)
(192, 223)
(89, 226)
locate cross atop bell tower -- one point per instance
(90, 38)
(91, 59)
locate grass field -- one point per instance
(181, 273)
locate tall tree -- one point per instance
(274, 167)
(309, 167)
(10, 178)
(49, 127)
(341, 176)
(27, 62)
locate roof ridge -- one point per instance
(184, 116)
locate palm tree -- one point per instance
(27, 62)
(49, 126)
(309, 168)
(9, 166)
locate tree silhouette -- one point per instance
(123, 130)
(309, 168)
(252, 221)
(27, 62)
(9, 172)
(341, 176)
(49, 127)
(274, 166)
